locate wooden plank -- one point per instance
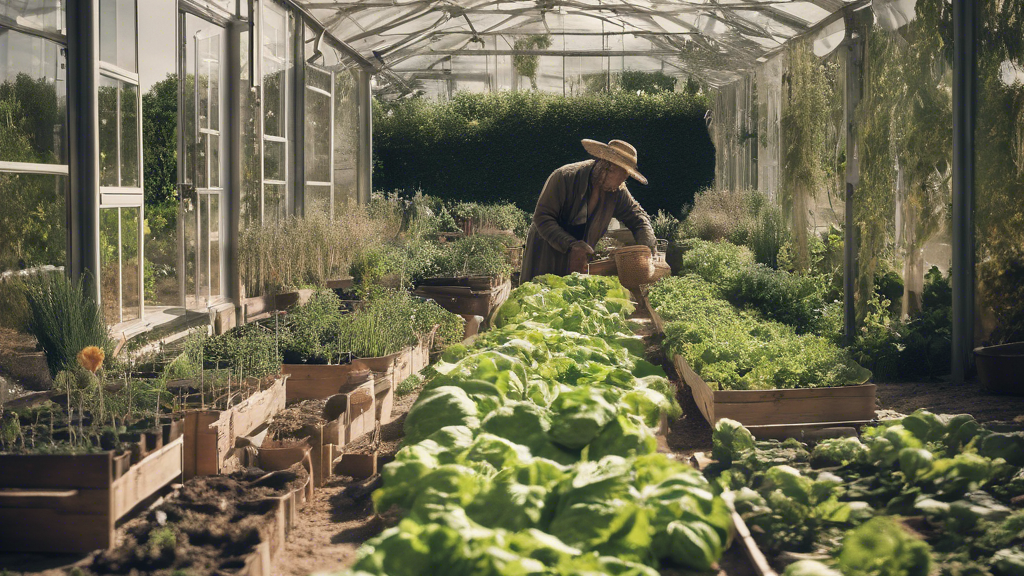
(143, 479)
(757, 560)
(810, 431)
(53, 531)
(740, 396)
(796, 411)
(702, 394)
(70, 501)
(56, 471)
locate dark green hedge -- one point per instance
(503, 146)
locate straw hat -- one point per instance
(617, 152)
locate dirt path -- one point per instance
(340, 517)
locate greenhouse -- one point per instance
(551, 287)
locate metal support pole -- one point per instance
(83, 211)
(965, 97)
(299, 121)
(233, 189)
(854, 64)
(365, 158)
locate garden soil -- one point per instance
(290, 422)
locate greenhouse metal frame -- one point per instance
(262, 146)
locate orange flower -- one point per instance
(91, 358)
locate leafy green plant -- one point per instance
(65, 320)
(565, 483)
(666, 226)
(734, 349)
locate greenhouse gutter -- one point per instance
(836, 16)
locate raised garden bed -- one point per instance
(211, 435)
(70, 503)
(232, 524)
(465, 299)
(783, 413)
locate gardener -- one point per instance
(575, 207)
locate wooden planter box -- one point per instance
(323, 442)
(69, 504)
(782, 413)
(311, 381)
(466, 300)
(274, 535)
(210, 435)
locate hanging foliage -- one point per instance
(525, 64)
(805, 120)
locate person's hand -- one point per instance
(579, 254)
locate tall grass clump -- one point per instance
(305, 251)
(65, 320)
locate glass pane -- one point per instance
(129, 135)
(318, 137)
(33, 95)
(318, 78)
(318, 200)
(999, 184)
(204, 246)
(346, 138)
(110, 265)
(108, 131)
(276, 39)
(117, 33)
(33, 229)
(215, 259)
(275, 205)
(202, 153)
(44, 15)
(130, 294)
(274, 167)
(214, 161)
(215, 89)
(203, 87)
(157, 52)
(191, 248)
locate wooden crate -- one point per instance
(322, 442)
(310, 381)
(466, 300)
(210, 435)
(70, 503)
(782, 413)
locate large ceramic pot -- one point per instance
(1001, 368)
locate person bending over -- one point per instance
(577, 204)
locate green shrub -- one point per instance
(14, 302)
(902, 349)
(65, 319)
(715, 262)
(744, 217)
(503, 146)
(792, 299)
(312, 331)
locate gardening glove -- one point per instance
(579, 254)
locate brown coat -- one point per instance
(547, 244)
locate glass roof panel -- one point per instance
(712, 39)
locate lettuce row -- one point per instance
(533, 452)
(959, 482)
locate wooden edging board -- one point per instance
(70, 503)
(210, 435)
(781, 413)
